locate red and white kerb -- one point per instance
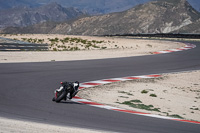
(187, 47)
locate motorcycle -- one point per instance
(66, 91)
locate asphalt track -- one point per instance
(27, 89)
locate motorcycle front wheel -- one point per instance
(60, 97)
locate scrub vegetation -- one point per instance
(69, 43)
(138, 104)
(74, 44)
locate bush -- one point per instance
(153, 95)
(175, 116)
(55, 49)
(136, 101)
(141, 106)
(103, 47)
(144, 91)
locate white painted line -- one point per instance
(80, 100)
(86, 86)
(175, 50)
(159, 116)
(99, 81)
(185, 48)
(143, 77)
(164, 52)
(121, 79)
(105, 107)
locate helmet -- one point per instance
(76, 85)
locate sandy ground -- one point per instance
(20, 126)
(176, 94)
(115, 47)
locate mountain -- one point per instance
(25, 16)
(90, 6)
(162, 16)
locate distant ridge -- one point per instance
(162, 16)
(25, 16)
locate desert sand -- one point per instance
(176, 94)
(112, 48)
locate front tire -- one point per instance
(53, 99)
(62, 96)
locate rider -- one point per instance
(72, 86)
(75, 89)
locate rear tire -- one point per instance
(62, 96)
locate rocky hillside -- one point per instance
(162, 16)
(24, 16)
(191, 28)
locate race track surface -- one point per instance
(27, 89)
